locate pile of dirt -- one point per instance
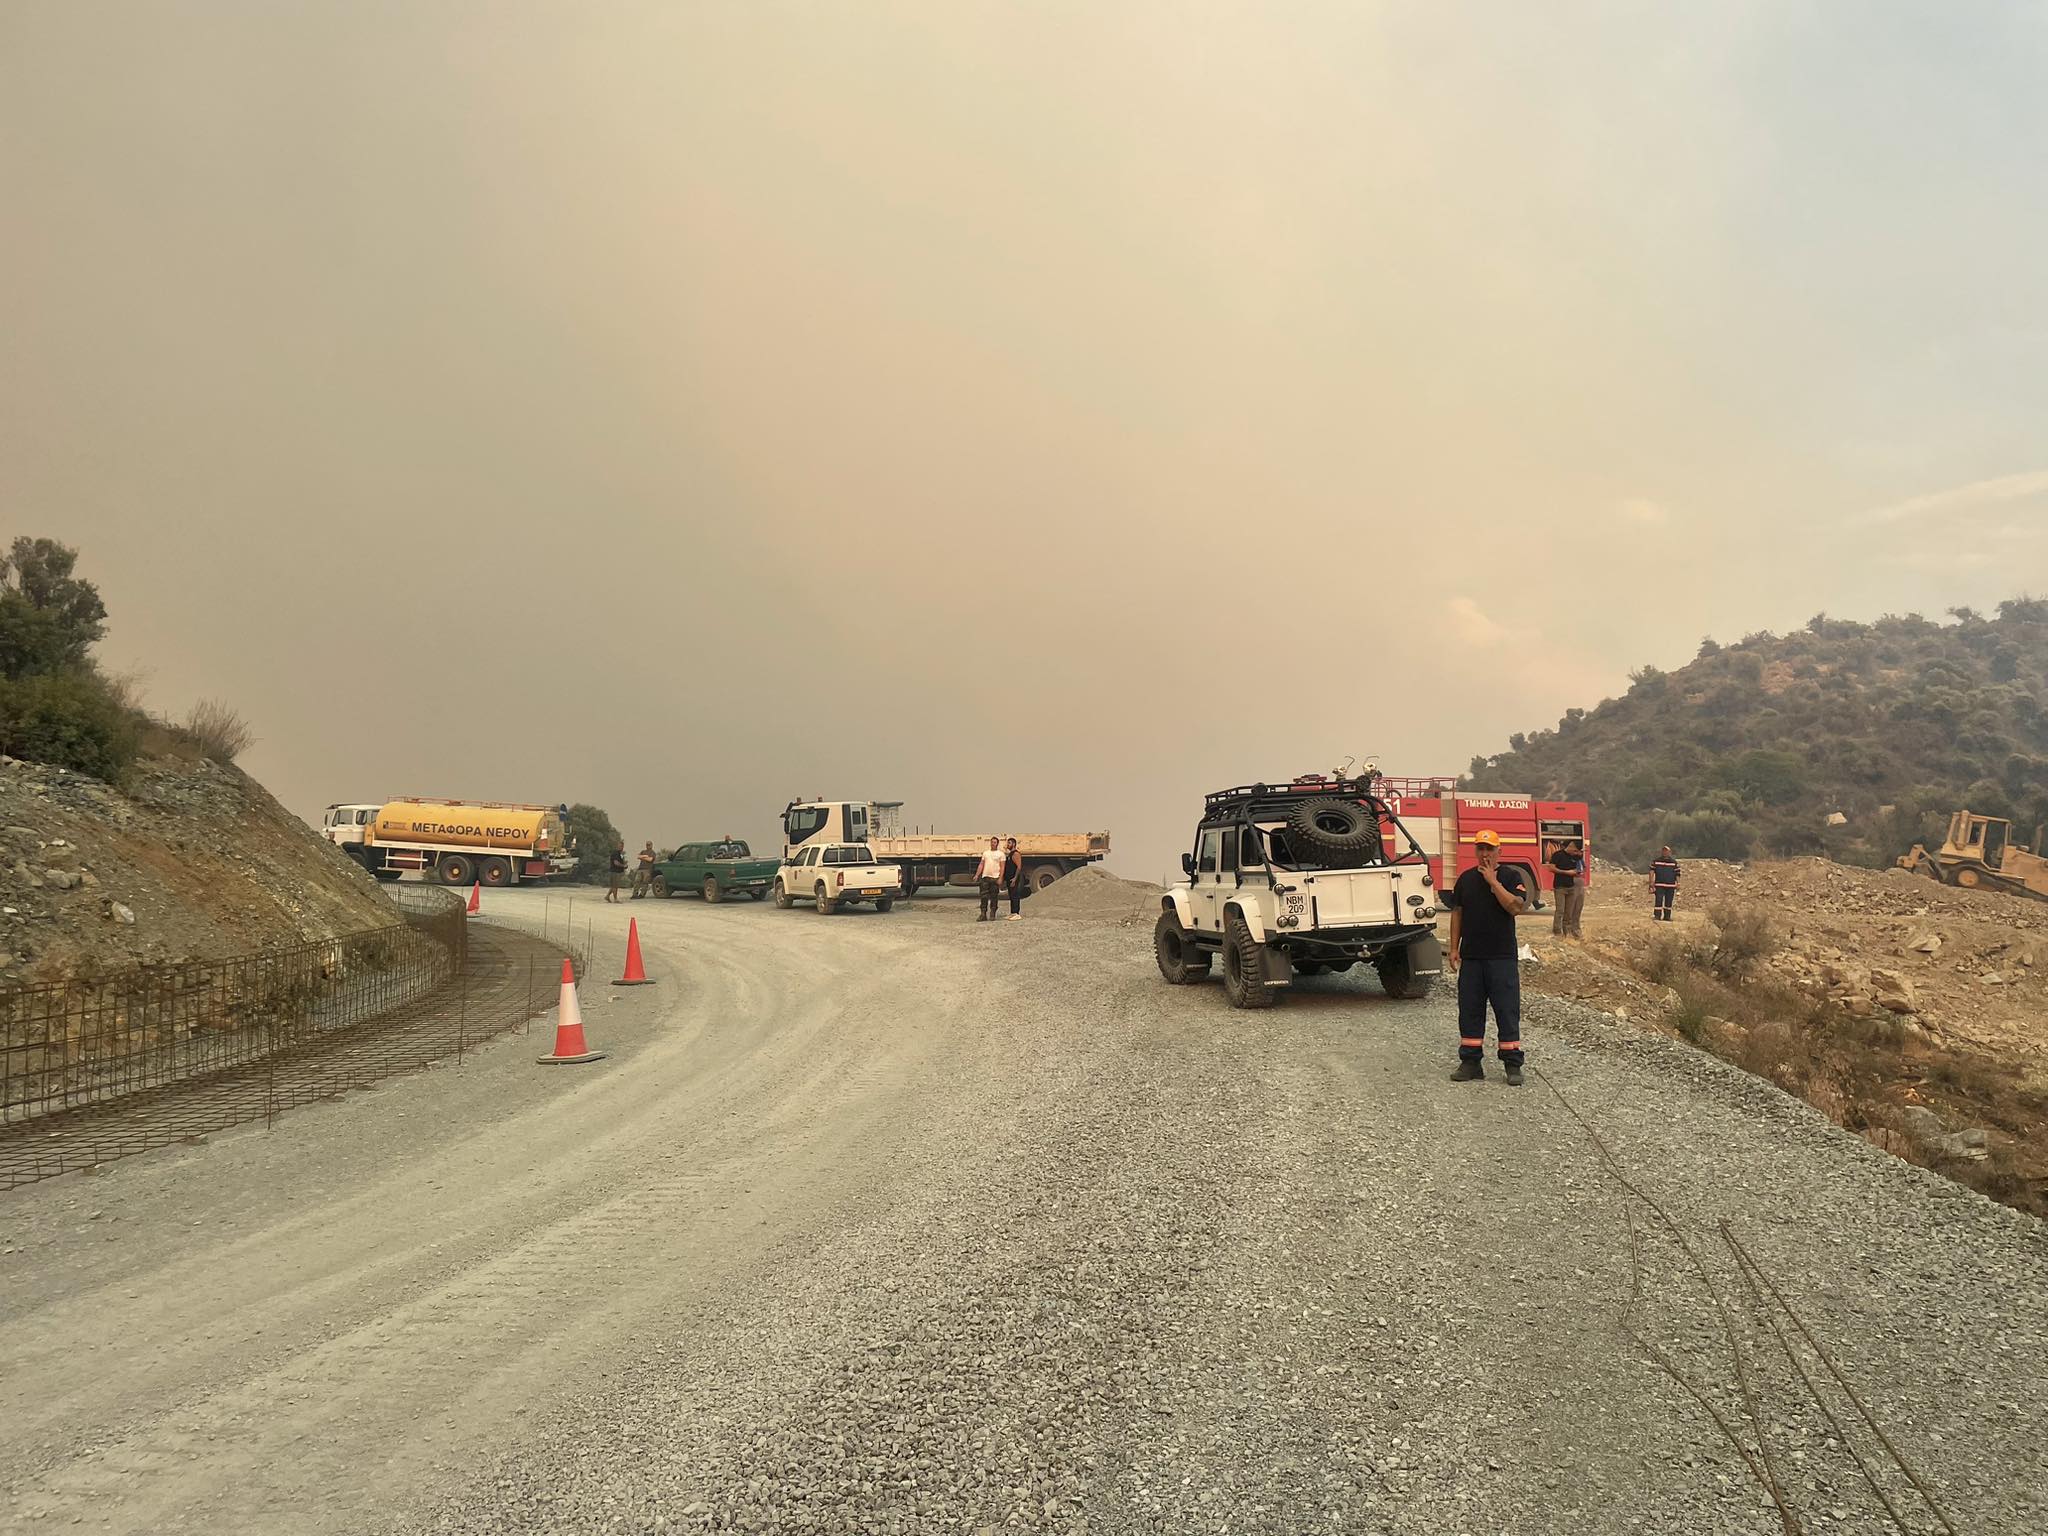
(191, 860)
(1902, 1009)
(1970, 966)
(1093, 894)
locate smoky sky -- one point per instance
(1036, 413)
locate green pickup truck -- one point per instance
(717, 869)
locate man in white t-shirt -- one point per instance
(991, 873)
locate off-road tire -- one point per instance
(495, 873)
(659, 886)
(1334, 833)
(712, 891)
(1243, 977)
(1181, 961)
(782, 897)
(1039, 876)
(884, 903)
(758, 893)
(456, 869)
(1397, 975)
(826, 905)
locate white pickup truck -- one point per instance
(835, 874)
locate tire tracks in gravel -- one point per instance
(340, 1347)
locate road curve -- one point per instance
(897, 1222)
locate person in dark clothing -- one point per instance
(1483, 947)
(618, 869)
(1013, 876)
(1568, 886)
(1663, 885)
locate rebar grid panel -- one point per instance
(92, 1070)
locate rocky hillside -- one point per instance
(1756, 748)
(192, 859)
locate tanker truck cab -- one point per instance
(344, 825)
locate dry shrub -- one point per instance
(1769, 1048)
(1689, 1015)
(219, 730)
(1666, 959)
(1828, 1099)
(1744, 936)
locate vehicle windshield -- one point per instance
(850, 853)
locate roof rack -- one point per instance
(1307, 787)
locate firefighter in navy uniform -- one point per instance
(1663, 885)
(1483, 952)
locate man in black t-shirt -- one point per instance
(1482, 951)
(1568, 882)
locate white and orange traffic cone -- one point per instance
(476, 898)
(570, 1046)
(636, 973)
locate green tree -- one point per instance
(54, 705)
(49, 618)
(593, 836)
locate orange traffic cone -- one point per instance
(570, 1046)
(636, 973)
(476, 897)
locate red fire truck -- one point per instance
(1444, 817)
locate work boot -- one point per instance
(1514, 1077)
(1468, 1072)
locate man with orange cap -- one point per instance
(1484, 904)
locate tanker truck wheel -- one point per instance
(495, 872)
(456, 869)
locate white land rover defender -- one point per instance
(1295, 879)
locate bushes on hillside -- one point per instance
(218, 730)
(55, 707)
(70, 718)
(1752, 747)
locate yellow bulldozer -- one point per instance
(1979, 852)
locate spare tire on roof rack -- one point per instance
(1331, 831)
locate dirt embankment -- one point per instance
(1904, 1010)
(191, 860)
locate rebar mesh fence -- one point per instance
(90, 1038)
(98, 1068)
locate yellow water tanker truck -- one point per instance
(452, 841)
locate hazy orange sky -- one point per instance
(1037, 413)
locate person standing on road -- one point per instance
(991, 874)
(618, 867)
(1484, 904)
(1663, 885)
(1013, 876)
(643, 877)
(1568, 882)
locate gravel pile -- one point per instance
(1093, 894)
(1149, 1265)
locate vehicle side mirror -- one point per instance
(1187, 865)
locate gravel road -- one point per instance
(901, 1223)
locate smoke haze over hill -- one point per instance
(1037, 414)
